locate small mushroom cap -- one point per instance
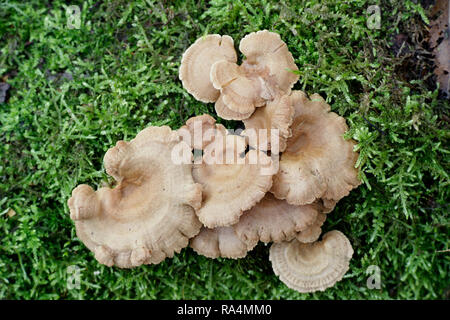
(226, 113)
(231, 183)
(240, 93)
(310, 267)
(150, 214)
(318, 162)
(313, 231)
(219, 242)
(327, 205)
(223, 72)
(197, 61)
(200, 131)
(273, 220)
(266, 49)
(277, 114)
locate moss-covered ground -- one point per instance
(75, 92)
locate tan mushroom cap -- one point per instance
(266, 49)
(310, 267)
(233, 184)
(197, 61)
(240, 93)
(150, 214)
(219, 242)
(199, 131)
(277, 114)
(313, 231)
(327, 205)
(318, 162)
(273, 220)
(226, 113)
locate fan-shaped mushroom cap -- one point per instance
(310, 267)
(273, 220)
(226, 113)
(277, 114)
(197, 61)
(266, 50)
(313, 231)
(318, 162)
(230, 187)
(150, 214)
(219, 242)
(327, 205)
(240, 93)
(200, 131)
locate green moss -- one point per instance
(124, 63)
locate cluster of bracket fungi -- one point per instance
(224, 208)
